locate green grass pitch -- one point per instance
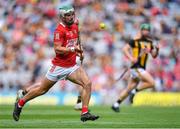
(67, 117)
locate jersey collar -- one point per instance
(62, 24)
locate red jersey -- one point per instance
(68, 37)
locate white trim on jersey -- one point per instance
(62, 24)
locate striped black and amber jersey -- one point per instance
(137, 46)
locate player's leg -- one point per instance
(34, 91)
(132, 83)
(146, 81)
(81, 78)
(132, 94)
(78, 105)
(22, 92)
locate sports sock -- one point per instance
(134, 91)
(24, 92)
(84, 109)
(116, 104)
(119, 101)
(79, 99)
(21, 103)
(137, 90)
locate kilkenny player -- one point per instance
(139, 77)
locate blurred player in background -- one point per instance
(63, 66)
(139, 77)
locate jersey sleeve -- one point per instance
(131, 43)
(58, 36)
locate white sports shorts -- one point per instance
(56, 73)
(135, 73)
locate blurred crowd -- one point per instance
(26, 41)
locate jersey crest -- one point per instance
(57, 36)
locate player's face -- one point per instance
(69, 18)
(145, 33)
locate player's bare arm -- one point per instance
(59, 49)
(155, 51)
(126, 51)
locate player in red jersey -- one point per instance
(78, 105)
(63, 65)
